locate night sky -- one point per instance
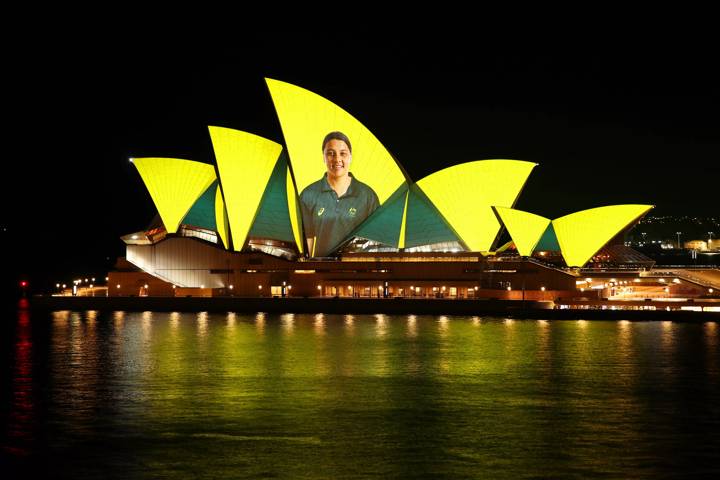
(637, 124)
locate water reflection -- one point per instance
(381, 325)
(20, 420)
(319, 324)
(412, 326)
(288, 323)
(152, 395)
(259, 322)
(349, 325)
(147, 318)
(174, 322)
(202, 325)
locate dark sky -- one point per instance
(637, 124)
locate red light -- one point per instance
(23, 284)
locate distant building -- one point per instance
(700, 245)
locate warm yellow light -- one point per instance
(294, 210)
(466, 193)
(237, 154)
(146, 285)
(202, 286)
(259, 287)
(476, 288)
(118, 285)
(319, 287)
(221, 218)
(509, 288)
(350, 287)
(525, 228)
(582, 234)
(588, 280)
(542, 289)
(174, 185)
(57, 285)
(106, 279)
(709, 290)
(231, 287)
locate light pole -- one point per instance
(678, 234)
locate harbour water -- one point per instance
(197, 395)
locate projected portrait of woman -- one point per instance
(335, 205)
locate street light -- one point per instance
(678, 234)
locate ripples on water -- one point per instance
(181, 395)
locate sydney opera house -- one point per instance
(234, 225)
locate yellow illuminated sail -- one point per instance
(174, 185)
(465, 194)
(293, 210)
(221, 218)
(306, 118)
(582, 234)
(245, 162)
(401, 240)
(525, 228)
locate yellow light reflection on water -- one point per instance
(443, 325)
(625, 339)
(412, 331)
(349, 324)
(259, 322)
(319, 324)
(174, 322)
(202, 325)
(118, 320)
(381, 325)
(287, 320)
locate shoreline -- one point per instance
(518, 309)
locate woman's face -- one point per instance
(337, 158)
